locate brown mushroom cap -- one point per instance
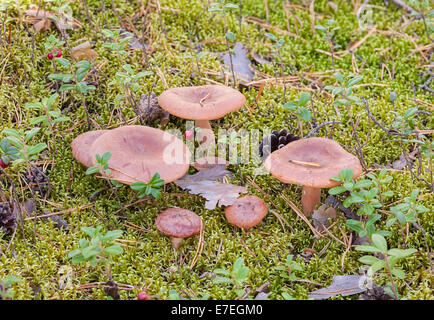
(138, 152)
(246, 212)
(327, 153)
(81, 145)
(178, 223)
(207, 102)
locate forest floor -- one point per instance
(392, 107)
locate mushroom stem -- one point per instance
(176, 242)
(309, 199)
(205, 136)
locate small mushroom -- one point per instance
(81, 145)
(138, 152)
(178, 223)
(246, 212)
(202, 103)
(311, 163)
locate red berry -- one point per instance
(188, 134)
(143, 296)
(59, 53)
(50, 55)
(3, 165)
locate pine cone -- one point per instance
(275, 141)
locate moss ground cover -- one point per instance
(394, 58)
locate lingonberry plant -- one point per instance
(99, 250)
(118, 42)
(299, 107)
(223, 8)
(128, 81)
(8, 153)
(386, 262)
(328, 34)
(102, 166)
(406, 212)
(365, 195)
(74, 80)
(153, 187)
(287, 271)
(50, 115)
(344, 92)
(21, 140)
(236, 276)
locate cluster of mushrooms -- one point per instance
(138, 152)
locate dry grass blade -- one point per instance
(350, 241)
(199, 246)
(86, 206)
(253, 183)
(266, 26)
(282, 220)
(301, 215)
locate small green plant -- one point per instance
(74, 80)
(119, 41)
(405, 123)
(344, 91)
(153, 187)
(5, 292)
(328, 34)
(50, 115)
(223, 8)
(388, 262)
(231, 139)
(299, 107)
(21, 140)
(288, 270)
(380, 180)
(237, 276)
(364, 194)
(8, 153)
(99, 250)
(407, 211)
(128, 80)
(52, 43)
(277, 44)
(102, 165)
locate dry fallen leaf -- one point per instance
(322, 215)
(84, 52)
(204, 184)
(240, 62)
(341, 285)
(41, 19)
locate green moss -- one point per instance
(153, 263)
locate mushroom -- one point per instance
(202, 103)
(81, 145)
(246, 212)
(311, 163)
(178, 223)
(138, 152)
